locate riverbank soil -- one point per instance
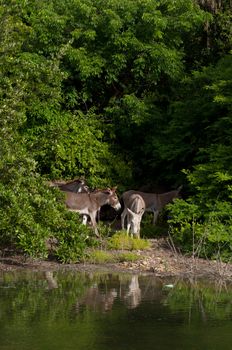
(160, 260)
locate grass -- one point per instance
(118, 248)
(122, 241)
(128, 256)
(104, 257)
(100, 257)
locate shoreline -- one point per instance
(159, 260)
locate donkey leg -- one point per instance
(155, 216)
(98, 215)
(123, 216)
(94, 223)
(128, 228)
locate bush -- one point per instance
(205, 234)
(73, 241)
(31, 213)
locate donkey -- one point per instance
(154, 202)
(90, 203)
(76, 186)
(134, 208)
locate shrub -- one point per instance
(206, 234)
(31, 213)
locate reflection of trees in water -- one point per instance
(201, 297)
(97, 300)
(53, 295)
(192, 297)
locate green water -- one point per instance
(70, 310)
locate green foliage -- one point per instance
(73, 145)
(97, 70)
(121, 240)
(200, 119)
(149, 230)
(72, 243)
(204, 232)
(206, 216)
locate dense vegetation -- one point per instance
(121, 92)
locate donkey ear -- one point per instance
(114, 188)
(130, 211)
(179, 188)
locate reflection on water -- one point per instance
(70, 310)
(52, 282)
(133, 296)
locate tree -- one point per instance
(208, 211)
(30, 213)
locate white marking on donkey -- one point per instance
(154, 202)
(90, 203)
(134, 208)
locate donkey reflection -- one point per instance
(97, 300)
(52, 282)
(133, 296)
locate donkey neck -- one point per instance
(101, 198)
(167, 197)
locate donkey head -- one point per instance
(113, 200)
(81, 186)
(135, 220)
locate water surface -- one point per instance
(70, 310)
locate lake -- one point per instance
(71, 310)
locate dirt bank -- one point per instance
(159, 260)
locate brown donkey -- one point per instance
(154, 202)
(76, 186)
(90, 203)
